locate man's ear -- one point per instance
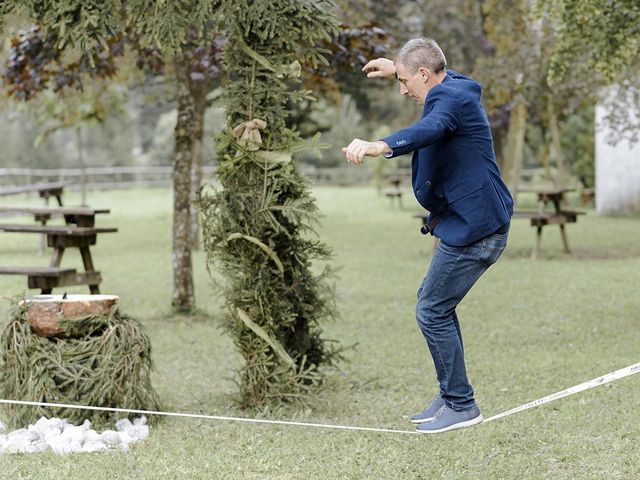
(425, 73)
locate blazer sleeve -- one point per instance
(442, 120)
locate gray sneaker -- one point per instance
(449, 419)
(430, 412)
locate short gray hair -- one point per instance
(422, 52)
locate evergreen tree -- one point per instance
(258, 228)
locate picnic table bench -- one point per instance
(45, 190)
(394, 192)
(78, 232)
(559, 215)
(47, 278)
(80, 216)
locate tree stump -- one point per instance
(46, 311)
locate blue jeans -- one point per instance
(452, 273)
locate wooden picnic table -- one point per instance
(80, 216)
(559, 215)
(45, 190)
(556, 196)
(78, 232)
(394, 192)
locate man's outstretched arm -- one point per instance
(380, 67)
(358, 149)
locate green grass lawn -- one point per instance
(530, 329)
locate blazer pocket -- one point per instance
(462, 190)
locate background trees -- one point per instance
(89, 30)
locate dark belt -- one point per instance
(429, 226)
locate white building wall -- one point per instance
(617, 173)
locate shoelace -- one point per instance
(432, 401)
(439, 412)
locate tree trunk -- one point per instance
(557, 146)
(544, 159)
(507, 151)
(517, 131)
(183, 294)
(200, 105)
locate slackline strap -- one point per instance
(609, 377)
(208, 417)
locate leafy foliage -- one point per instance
(90, 24)
(603, 34)
(258, 229)
(351, 47)
(35, 63)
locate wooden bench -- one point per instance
(45, 190)
(60, 237)
(587, 196)
(394, 194)
(56, 230)
(558, 215)
(81, 216)
(47, 278)
(540, 219)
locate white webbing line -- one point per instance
(207, 417)
(609, 377)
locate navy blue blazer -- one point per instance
(454, 171)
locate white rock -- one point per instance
(23, 435)
(24, 441)
(62, 437)
(110, 437)
(92, 447)
(45, 425)
(123, 424)
(62, 448)
(138, 432)
(52, 435)
(3, 428)
(72, 434)
(125, 438)
(140, 420)
(92, 436)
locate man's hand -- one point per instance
(357, 149)
(380, 67)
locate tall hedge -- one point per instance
(258, 227)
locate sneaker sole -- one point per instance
(428, 419)
(422, 420)
(455, 426)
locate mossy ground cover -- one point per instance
(530, 329)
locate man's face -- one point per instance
(414, 84)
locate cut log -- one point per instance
(46, 311)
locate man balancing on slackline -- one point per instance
(455, 176)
